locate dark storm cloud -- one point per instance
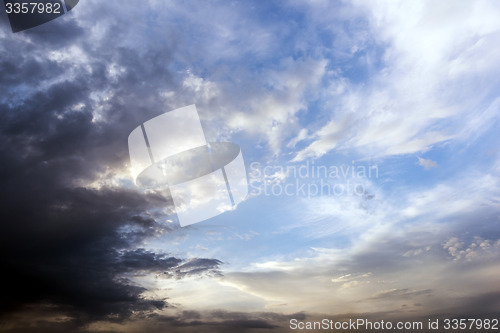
(63, 250)
(141, 259)
(63, 242)
(197, 266)
(66, 253)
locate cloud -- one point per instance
(427, 164)
(401, 107)
(380, 79)
(267, 110)
(177, 321)
(197, 266)
(395, 279)
(400, 293)
(478, 248)
(352, 280)
(73, 253)
(379, 266)
(329, 136)
(72, 223)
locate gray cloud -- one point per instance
(400, 293)
(64, 121)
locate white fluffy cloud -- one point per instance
(266, 108)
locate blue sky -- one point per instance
(407, 88)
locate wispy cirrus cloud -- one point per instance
(404, 107)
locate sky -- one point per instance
(369, 132)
